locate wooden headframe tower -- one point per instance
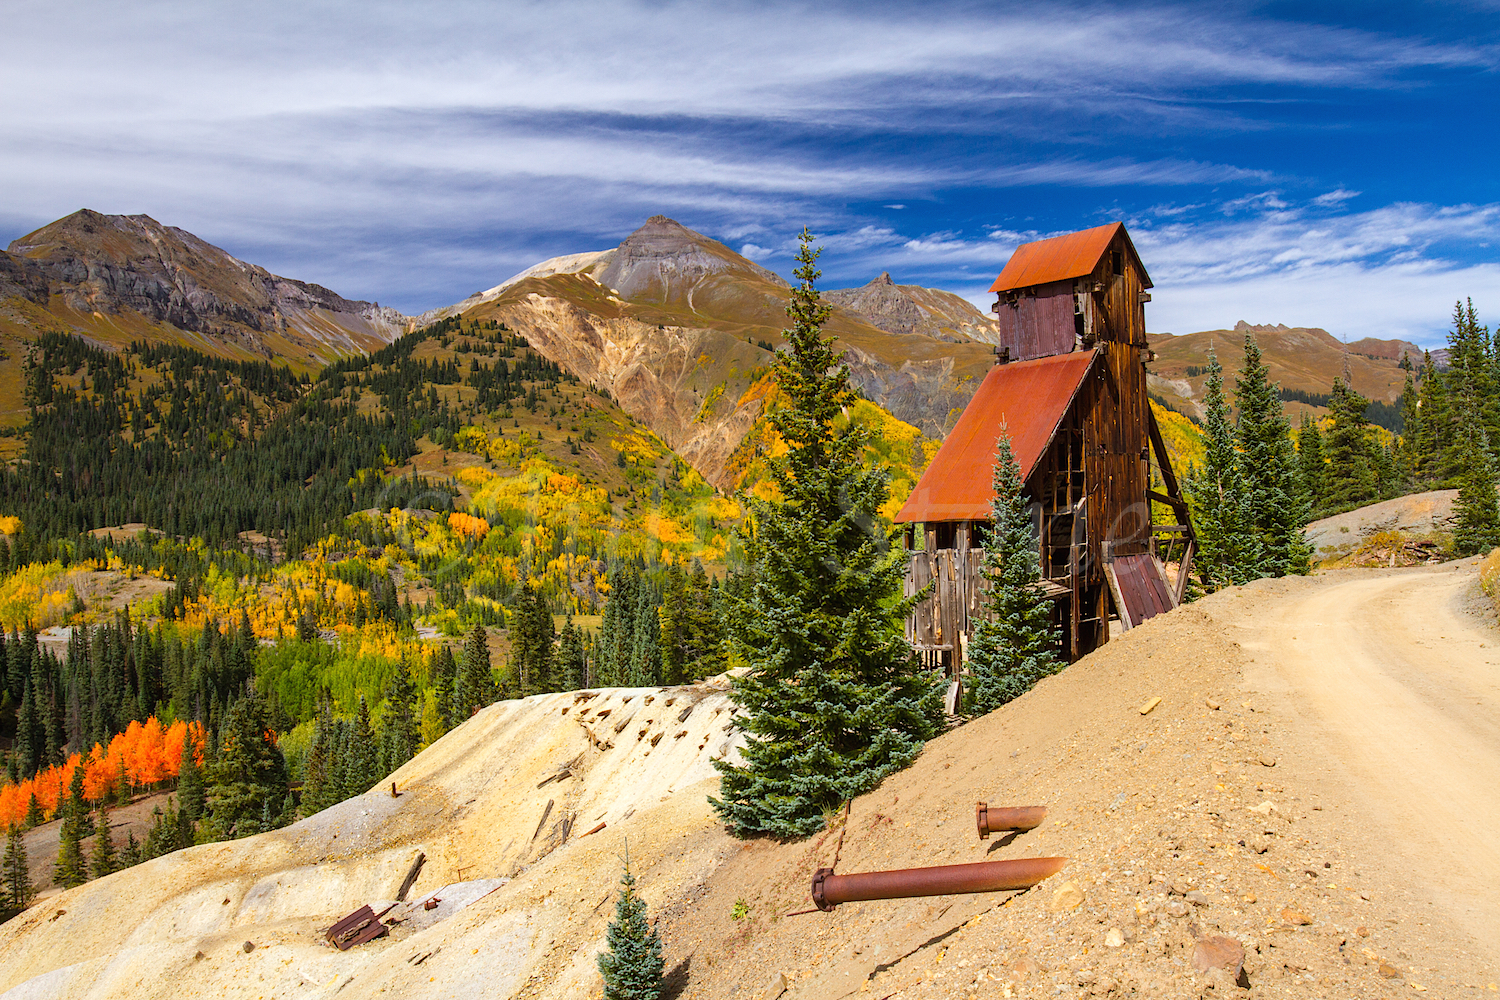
(1070, 390)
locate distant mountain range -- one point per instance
(1304, 360)
(676, 326)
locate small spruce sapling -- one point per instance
(632, 964)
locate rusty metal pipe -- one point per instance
(829, 890)
(997, 819)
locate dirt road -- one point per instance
(1390, 689)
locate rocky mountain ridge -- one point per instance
(121, 277)
(675, 326)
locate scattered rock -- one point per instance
(1219, 952)
(1146, 708)
(1114, 938)
(773, 989)
(1267, 760)
(249, 946)
(1249, 897)
(1196, 898)
(1211, 704)
(1025, 966)
(1389, 971)
(1296, 917)
(199, 956)
(1362, 931)
(1067, 897)
(1266, 808)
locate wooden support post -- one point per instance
(1073, 609)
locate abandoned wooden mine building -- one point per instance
(1070, 390)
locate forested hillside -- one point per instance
(351, 562)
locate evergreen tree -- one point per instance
(444, 673)
(362, 765)
(674, 627)
(645, 652)
(1411, 428)
(191, 792)
(71, 869)
(1351, 457)
(1429, 440)
(1312, 467)
(1470, 391)
(315, 784)
(1015, 644)
(249, 772)
(632, 965)
(30, 739)
(17, 874)
(131, 854)
(571, 656)
(476, 682)
(34, 815)
(834, 699)
(1228, 548)
(1268, 470)
(103, 860)
(400, 729)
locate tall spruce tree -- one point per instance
(444, 672)
(1015, 644)
(71, 869)
(1351, 455)
(191, 791)
(833, 700)
(16, 873)
(250, 773)
(1312, 467)
(103, 861)
(632, 965)
(362, 763)
(1268, 470)
(1228, 548)
(1470, 388)
(571, 655)
(476, 682)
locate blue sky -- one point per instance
(1311, 164)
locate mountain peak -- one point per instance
(884, 279)
(664, 261)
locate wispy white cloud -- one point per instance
(416, 154)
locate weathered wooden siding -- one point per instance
(1038, 323)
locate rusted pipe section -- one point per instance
(997, 819)
(829, 890)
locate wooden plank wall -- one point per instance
(954, 604)
(1038, 325)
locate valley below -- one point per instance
(1312, 783)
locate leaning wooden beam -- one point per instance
(1114, 592)
(1183, 569)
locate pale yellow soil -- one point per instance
(1331, 814)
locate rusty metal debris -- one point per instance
(358, 927)
(431, 903)
(998, 819)
(829, 890)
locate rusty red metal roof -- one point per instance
(1062, 257)
(1028, 399)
